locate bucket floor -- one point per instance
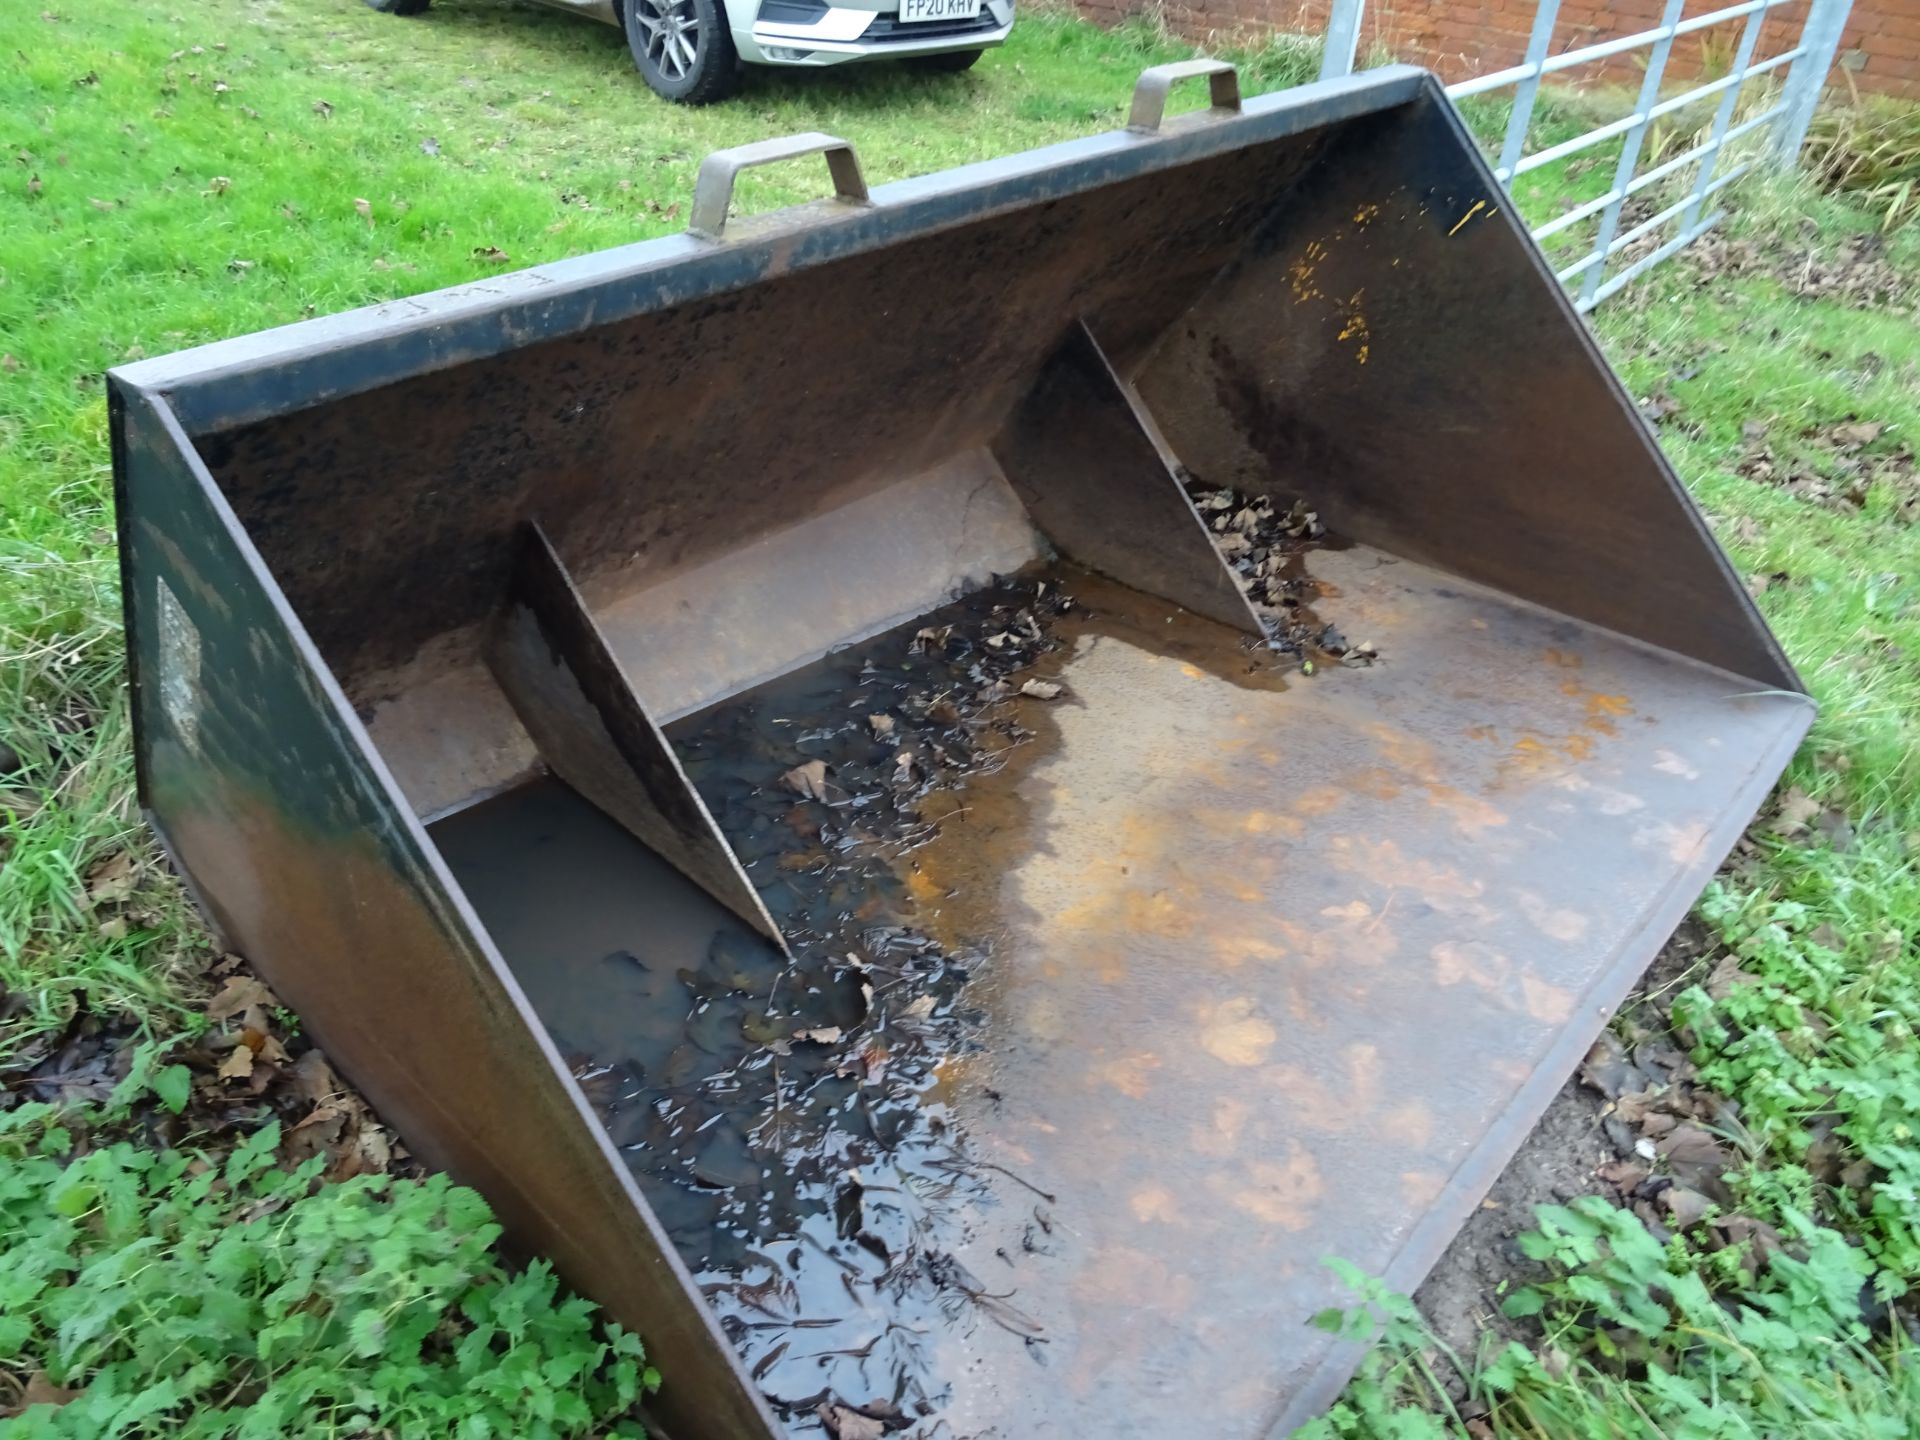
(1258, 970)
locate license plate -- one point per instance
(912, 12)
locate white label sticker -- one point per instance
(179, 668)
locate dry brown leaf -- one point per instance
(920, 1009)
(314, 1080)
(40, 1390)
(1625, 1174)
(241, 992)
(1797, 809)
(821, 1035)
(491, 255)
(880, 725)
(323, 109)
(238, 1065)
(111, 881)
(364, 209)
(1727, 976)
(1687, 1207)
(1042, 689)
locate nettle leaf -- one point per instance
(173, 1085)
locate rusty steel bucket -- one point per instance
(941, 793)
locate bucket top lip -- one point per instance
(229, 383)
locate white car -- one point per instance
(691, 50)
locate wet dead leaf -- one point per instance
(880, 725)
(845, 1424)
(1042, 689)
(809, 781)
(821, 1035)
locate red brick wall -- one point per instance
(1462, 38)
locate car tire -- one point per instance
(946, 62)
(682, 49)
(399, 7)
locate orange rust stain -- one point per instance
(1131, 1075)
(1549, 1004)
(1332, 1106)
(1565, 659)
(1283, 1193)
(1357, 938)
(923, 887)
(1578, 747)
(1482, 732)
(1192, 672)
(1420, 1188)
(1318, 799)
(1233, 951)
(1470, 960)
(1234, 1034)
(1229, 1121)
(1265, 822)
(1384, 863)
(1154, 1203)
(1555, 923)
(1410, 753)
(1409, 1124)
(1471, 814)
(1375, 783)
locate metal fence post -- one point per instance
(1630, 148)
(1723, 117)
(1529, 89)
(1819, 42)
(1342, 41)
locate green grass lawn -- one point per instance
(176, 174)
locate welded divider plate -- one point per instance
(1085, 459)
(551, 661)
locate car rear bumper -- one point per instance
(806, 32)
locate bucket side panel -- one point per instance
(1394, 350)
(299, 848)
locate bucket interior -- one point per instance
(1202, 753)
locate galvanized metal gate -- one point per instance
(1781, 122)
